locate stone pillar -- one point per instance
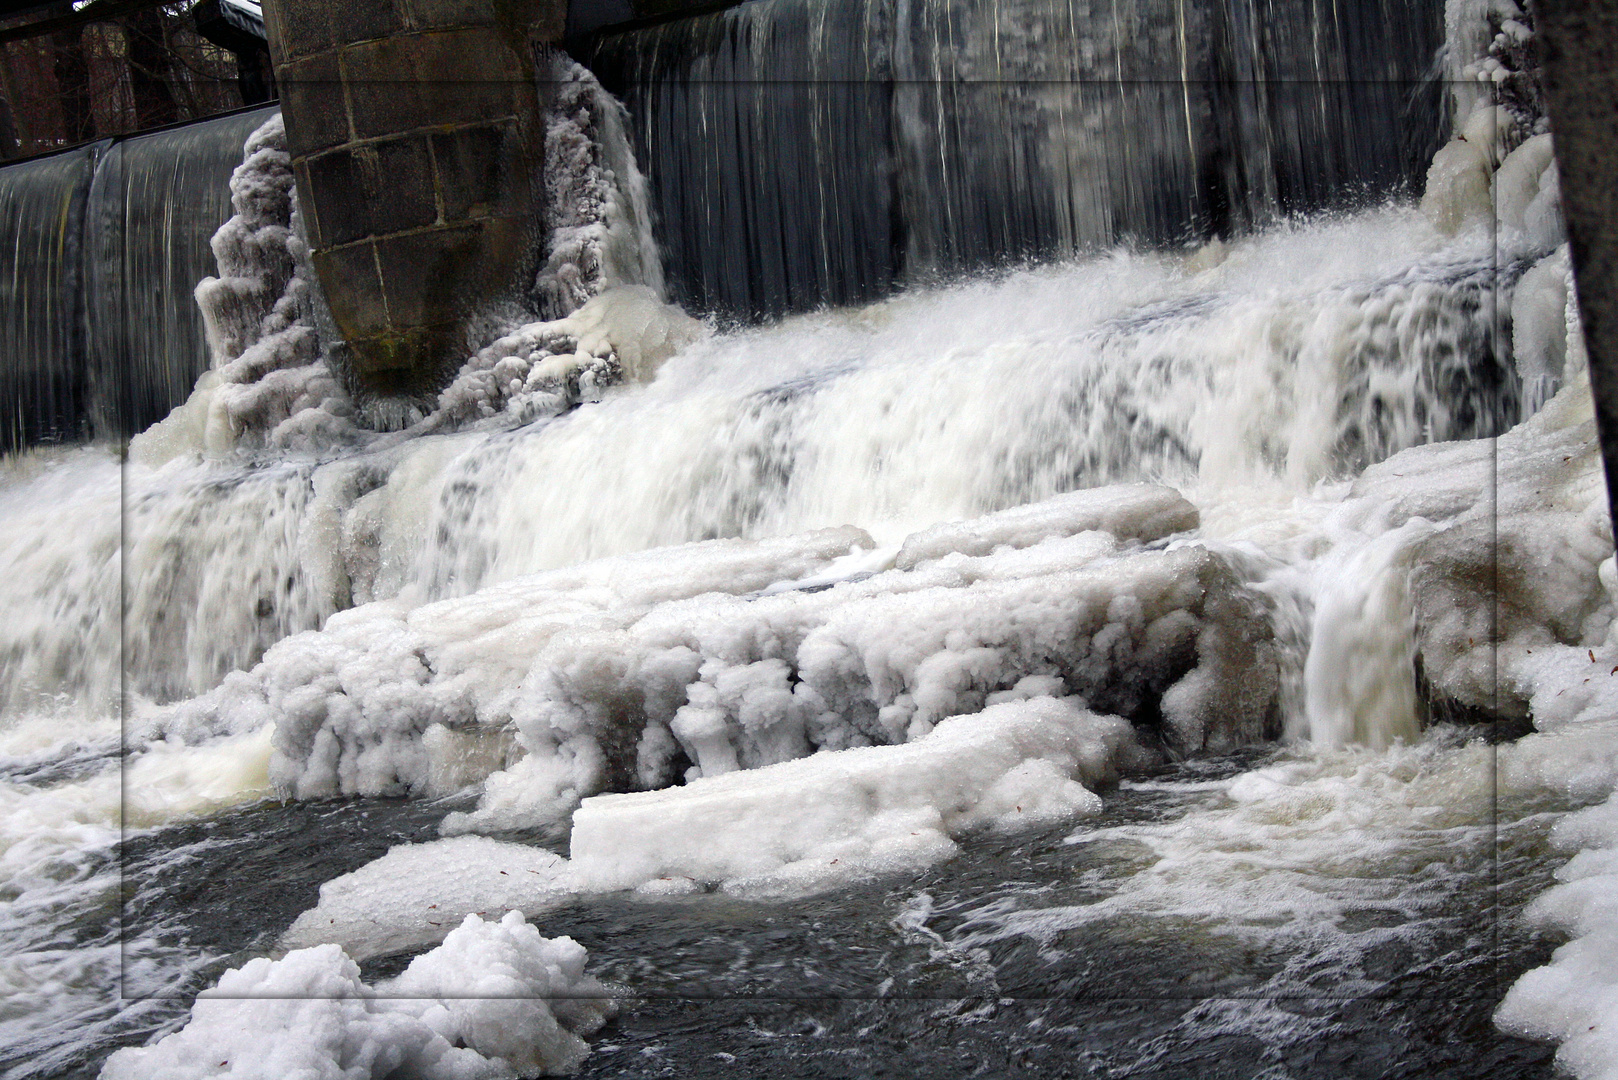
(1579, 39)
(416, 140)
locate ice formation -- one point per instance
(804, 825)
(600, 288)
(598, 223)
(494, 1001)
(1026, 760)
(542, 369)
(652, 617)
(1572, 1000)
(1513, 594)
(273, 383)
(639, 671)
(270, 386)
(416, 893)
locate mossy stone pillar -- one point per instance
(416, 140)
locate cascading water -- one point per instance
(107, 242)
(805, 153)
(44, 293)
(848, 618)
(153, 206)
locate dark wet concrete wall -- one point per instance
(1580, 43)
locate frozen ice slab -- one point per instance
(1127, 511)
(802, 824)
(413, 894)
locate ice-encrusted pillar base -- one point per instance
(417, 142)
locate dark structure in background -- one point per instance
(99, 333)
(586, 17)
(115, 67)
(1579, 39)
(418, 148)
(238, 27)
(414, 125)
(106, 224)
(804, 152)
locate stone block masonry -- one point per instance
(417, 142)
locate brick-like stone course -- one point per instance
(416, 138)
(473, 179)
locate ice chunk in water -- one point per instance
(495, 1000)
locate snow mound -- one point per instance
(495, 1000)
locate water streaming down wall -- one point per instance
(154, 206)
(42, 374)
(804, 153)
(102, 335)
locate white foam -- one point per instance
(60, 873)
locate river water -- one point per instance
(722, 637)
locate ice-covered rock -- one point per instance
(1527, 197)
(1507, 581)
(679, 663)
(1457, 191)
(544, 368)
(793, 828)
(1542, 310)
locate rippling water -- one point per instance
(1165, 938)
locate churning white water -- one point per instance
(1258, 379)
(826, 601)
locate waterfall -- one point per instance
(1112, 447)
(101, 336)
(45, 391)
(807, 153)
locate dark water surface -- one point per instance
(919, 977)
